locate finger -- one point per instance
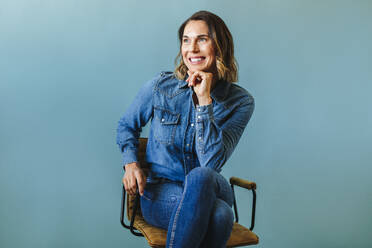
(189, 78)
(197, 78)
(132, 185)
(126, 186)
(140, 185)
(141, 180)
(192, 77)
(124, 183)
(127, 183)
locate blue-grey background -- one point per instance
(69, 69)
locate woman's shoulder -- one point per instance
(166, 74)
(240, 98)
(232, 94)
(238, 90)
(161, 79)
(168, 77)
(168, 84)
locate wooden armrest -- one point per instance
(242, 183)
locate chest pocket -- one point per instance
(164, 125)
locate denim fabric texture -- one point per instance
(204, 199)
(187, 147)
(184, 136)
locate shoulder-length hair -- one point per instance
(227, 67)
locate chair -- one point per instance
(156, 237)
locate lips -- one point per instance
(196, 60)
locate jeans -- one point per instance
(196, 212)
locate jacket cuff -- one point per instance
(129, 156)
(204, 113)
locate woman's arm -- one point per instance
(128, 132)
(215, 144)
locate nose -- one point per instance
(194, 46)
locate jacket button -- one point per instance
(192, 124)
(162, 120)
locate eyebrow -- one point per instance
(199, 36)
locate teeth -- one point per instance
(195, 59)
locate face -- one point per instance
(197, 47)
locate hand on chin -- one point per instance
(201, 82)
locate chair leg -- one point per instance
(130, 227)
(253, 207)
(235, 207)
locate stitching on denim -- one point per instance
(145, 197)
(164, 76)
(171, 126)
(173, 231)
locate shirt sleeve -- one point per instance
(214, 143)
(131, 123)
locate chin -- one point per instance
(197, 68)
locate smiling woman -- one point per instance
(197, 118)
(213, 29)
(197, 48)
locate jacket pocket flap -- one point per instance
(166, 117)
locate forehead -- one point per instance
(195, 28)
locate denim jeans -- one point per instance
(196, 212)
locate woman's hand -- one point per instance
(134, 175)
(202, 83)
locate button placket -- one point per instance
(189, 142)
(199, 130)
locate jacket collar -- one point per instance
(219, 92)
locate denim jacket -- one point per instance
(184, 136)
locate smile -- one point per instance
(196, 60)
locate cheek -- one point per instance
(183, 51)
(211, 52)
(212, 57)
(183, 55)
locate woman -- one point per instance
(198, 116)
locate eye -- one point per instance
(185, 40)
(203, 39)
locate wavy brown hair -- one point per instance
(227, 67)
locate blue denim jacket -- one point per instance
(184, 136)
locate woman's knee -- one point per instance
(202, 176)
(222, 214)
(220, 225)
